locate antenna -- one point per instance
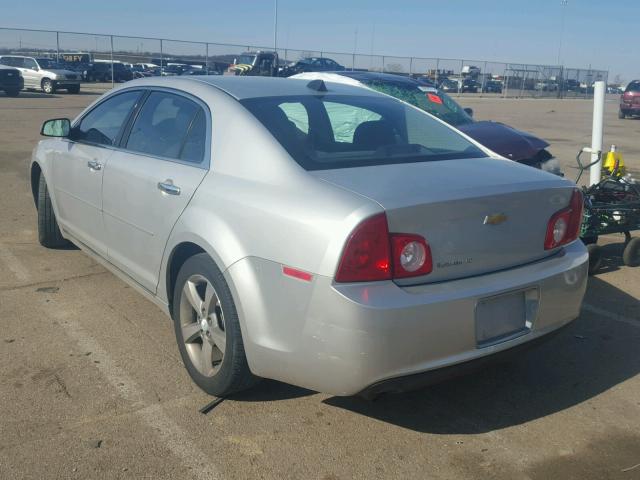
(317, 85)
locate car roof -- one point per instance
(241, 87)
(381, 77)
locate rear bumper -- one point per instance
(345, 339)
(630, 108)
(431, 377)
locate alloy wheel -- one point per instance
(202, 325)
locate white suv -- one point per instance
(43, 73)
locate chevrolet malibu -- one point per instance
(369, 248)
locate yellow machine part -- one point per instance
(609, 163)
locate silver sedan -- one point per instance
(319, 234)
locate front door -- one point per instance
(30, 73)
(149, 182)
(79, 166)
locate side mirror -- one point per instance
(57, 127)
(469, 111)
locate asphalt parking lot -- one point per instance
(92, 385)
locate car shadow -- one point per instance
(592, 355)
(29, 94)
(271, 390)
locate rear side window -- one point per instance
(11, 61)
(345, 131)
(103, 124)
(169, 126)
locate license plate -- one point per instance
(505, 317)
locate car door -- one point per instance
(149, 181)
(30, 73)
(78, 168)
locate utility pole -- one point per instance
(275, 26)
(563, 5)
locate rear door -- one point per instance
(79, 165)
(151, 178)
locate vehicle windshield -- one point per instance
(342, 131)
(245, 59)
(48, 63)
(430, 100)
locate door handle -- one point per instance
(168, 187)
(94, 165)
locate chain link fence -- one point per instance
(457, 76)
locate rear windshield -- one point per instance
(633, 87)
(338, 131)
(428, 99)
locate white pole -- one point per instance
(597, 132)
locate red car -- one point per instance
(630, 100)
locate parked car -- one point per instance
(312, 64)
(357, 259)
(260, 63)
(492, 86)
(11, 81)
(469, 85)
(43, 74)
(513, 144)
(630, 100)
(102, 72)
(448, 85)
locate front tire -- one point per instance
(208, 330)
(48, 87)
(49, 234)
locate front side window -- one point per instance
(355, 131)
(30, 63)
(163, 124)
(103, 124)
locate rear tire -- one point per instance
(631, 254)
(595, 258)
(49, 234)
(217, 371)
(621, 114)
(48, 87)
(12, 92)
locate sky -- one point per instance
(601, 34)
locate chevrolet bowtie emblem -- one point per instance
(495, 219)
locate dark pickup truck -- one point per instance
(11, 81)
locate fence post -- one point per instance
(161, 58)
(112, 79)
(437, 70)
(460, 77)
(383, 60)
(353, 61)
(57, 46)
(206, 58)
(410, 66)
(484, 78)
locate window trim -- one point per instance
(123, 135)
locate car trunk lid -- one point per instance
(478, 215)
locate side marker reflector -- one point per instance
(295, 273)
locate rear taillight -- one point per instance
(373, 254)
(564, 226)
